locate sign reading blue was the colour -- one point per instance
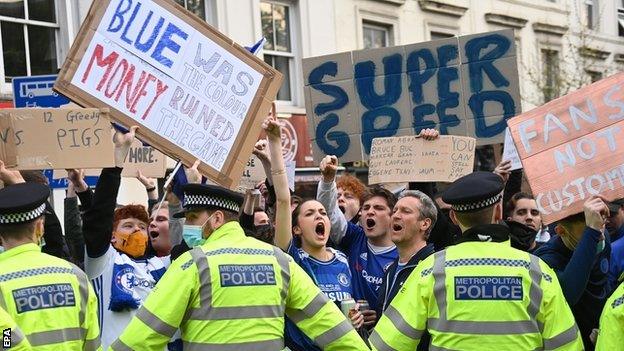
(464, 85)
(193, 92)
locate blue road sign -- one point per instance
(63, 182)
(36, 91)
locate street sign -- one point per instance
(36, 91)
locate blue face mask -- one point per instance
(1, 249)
(193, 234)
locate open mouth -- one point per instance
(342, 209)
(397, 227)
(370, 223)
(320, 229)
(154, 234)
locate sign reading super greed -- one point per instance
(572, 147)
(194, 93)
(464, 85)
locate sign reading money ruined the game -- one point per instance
(573, 147)
(464, 86)
(194, 92)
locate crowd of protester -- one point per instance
(355, 242)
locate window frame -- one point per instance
(620, 18)
(291, 55)
(387, 29)
(6, 88)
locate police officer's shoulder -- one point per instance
(184, 261)
(548, 273)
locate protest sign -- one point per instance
(510, 153)
(194, 92)
(254, 174)
(460, 86)
(413, 159)
(151, 162)
(572, 147)
(61, 138)
(8, 148)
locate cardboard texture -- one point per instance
(194, 92)
(572, 148)
(254, 174)
(61, 138)
(151, 162)
(412, 159)
(465, 86)
(8, 147)
(510, 152)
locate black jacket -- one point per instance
(387, 291)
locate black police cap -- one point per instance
(23, 202)
(206, 196)
(475, 191)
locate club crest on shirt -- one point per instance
(343, 279)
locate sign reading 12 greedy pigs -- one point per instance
(194, 93)
(461, 86)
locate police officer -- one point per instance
(480, 293)
(49, 298)
(231, 291)
(612, 323)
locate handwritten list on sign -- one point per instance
(412, 159)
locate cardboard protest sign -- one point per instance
(254, 174)
(461, 86)
(194, 92)
(572, 147)
(8, 147)
(510, 152)
(151, 162)
(412, 159)
(61, 138)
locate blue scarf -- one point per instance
(123, 294)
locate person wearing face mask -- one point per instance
(117, 259)
(579, 254)
(49, 298)
(525, 221)
(218, 291)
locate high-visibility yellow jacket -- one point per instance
(479, 296)
(611, 334)
(12, 336)
(50, 299)
(231, 293)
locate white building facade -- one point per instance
(561, 44)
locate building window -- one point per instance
(376, 35)
(278, 50)
(620, 19)
(594, 76)
(590, 13)
(550, 65)
(440, 35)
(29, 30)
(197, 7)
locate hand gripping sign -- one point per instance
(194, 92)
(571, 148)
